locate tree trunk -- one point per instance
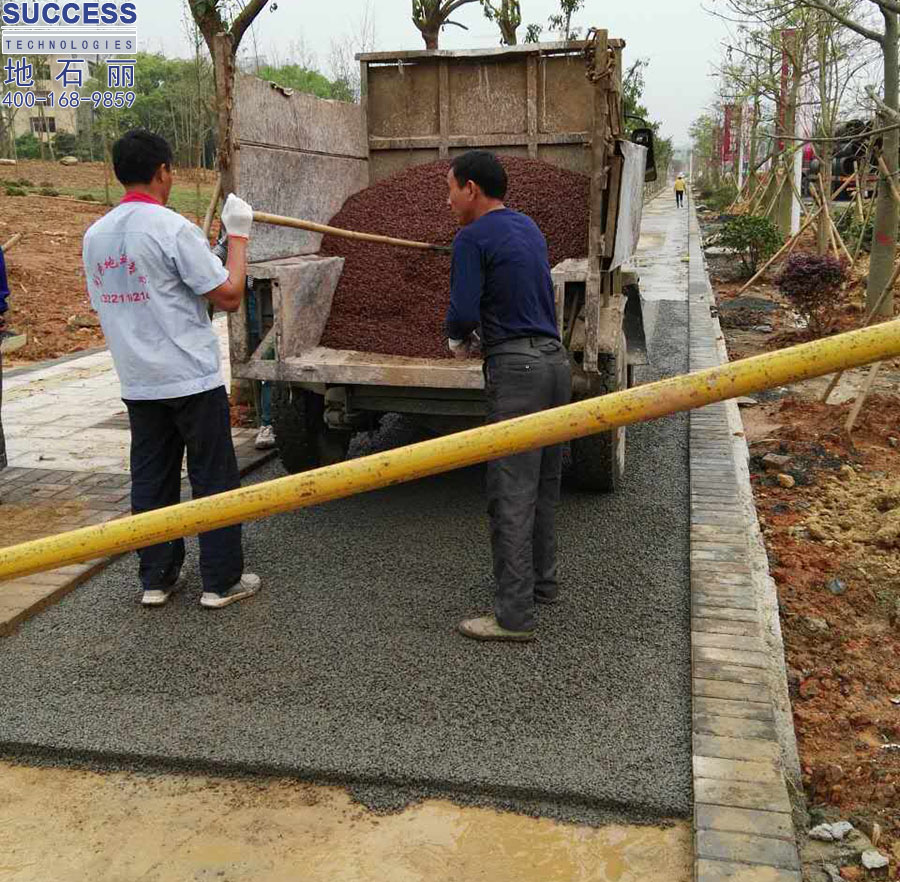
(430, 36)
(223, 60)
(825, 148)
(884, 234)
(752, 180)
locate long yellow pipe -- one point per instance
(855, 348)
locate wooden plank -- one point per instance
(493, 139)
(572, 47)
(599, 135)
(531, 106)
(344, 366)
(444, 108)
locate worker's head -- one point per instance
(143, 161)
(477, 184)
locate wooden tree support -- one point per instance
(870, 317)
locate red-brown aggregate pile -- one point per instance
(393, 300)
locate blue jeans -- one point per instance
(161, 431)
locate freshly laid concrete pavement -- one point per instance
(347, 668)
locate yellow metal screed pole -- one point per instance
(855, 348)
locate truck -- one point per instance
(302, 156)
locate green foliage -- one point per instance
(533, 33)
(812, 283)
(753, 238)
(719, 195)
(310, 82)
(12, 190)
(28, 146)
(64, 144)
(175, 97)
(507, 16)
(562, 21)
(88, 197)
(48, 191)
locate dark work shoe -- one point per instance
(546, 600)
(247, 587)
(487, 628)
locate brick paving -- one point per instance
(68, 446)
(743, 827)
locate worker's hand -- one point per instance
(468, 348)
(237, 217)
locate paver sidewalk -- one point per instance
(68, 440)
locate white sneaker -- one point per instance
(160, 596)
(247, 587)
(265, 438)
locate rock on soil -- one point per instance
(393, 300)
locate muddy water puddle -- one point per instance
(65, 824)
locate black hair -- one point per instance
(483, 168)
(137, 156)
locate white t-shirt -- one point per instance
(147, 268)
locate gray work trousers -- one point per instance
(524, 376)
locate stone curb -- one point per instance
(23, 598)
(745, 761)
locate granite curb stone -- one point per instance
(743, 826)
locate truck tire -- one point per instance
(304, 441)
(598, 461)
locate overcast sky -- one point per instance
(677, 36)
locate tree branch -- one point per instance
(245, 19)
(889, 5)
(885, 109)
(846, 21)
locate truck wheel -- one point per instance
(304, 441)
(598, 461)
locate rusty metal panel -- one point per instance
(565, 97)
(403, 100)
(488, 96)
(631, 202)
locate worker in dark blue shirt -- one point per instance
(502, 305)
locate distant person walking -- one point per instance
(679, 191)
(148, 270)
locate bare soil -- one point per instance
(833, 541)
(48, 299)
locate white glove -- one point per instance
(237, 217)
(455, 345)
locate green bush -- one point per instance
(48, 191)
(12, 190)
(812, 283)
(752, 237)
(22, 182)
(28, 146)
(88, 197)
(64, 144)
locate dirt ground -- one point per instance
(833, 541)
(68, 825)
(48, 299)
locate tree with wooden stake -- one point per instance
(507, 17)
(429, 16)
(884, 235)
(223, 40)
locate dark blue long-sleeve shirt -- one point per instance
(4, 286)
(500, 279)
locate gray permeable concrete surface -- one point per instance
(347, 667)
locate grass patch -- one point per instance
(183, 198)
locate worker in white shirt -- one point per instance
(148, 270)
